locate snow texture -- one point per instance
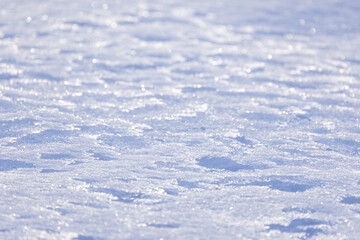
(179, 119)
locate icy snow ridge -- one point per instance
(179, 119)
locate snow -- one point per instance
(179, 119)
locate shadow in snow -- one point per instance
(96, 129)
(17, 123)
(351, 200)
(41, 75)
(299, 210)
(7, 165)
(342, 145)
(122, 196)
(86, 180)
(47, 136)
(8, 106)
(11, 128)
(55, 156)
(84, 237)
(244, 140)
(83, 24)
(300, 225)
(260, 116)
(171, 191)
(187, 184)
(76, 163)
(120, 68)
(168, 225)
(62, 211)
(197, 89)
(222, 163)
(282, 186)
(7, 76)
(102, 157)
(123, 141)
(248, 95)
(49, 170)
(89, 204)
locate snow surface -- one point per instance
(179, 119)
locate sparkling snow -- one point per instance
(179, 119)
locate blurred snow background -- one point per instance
(179, 119)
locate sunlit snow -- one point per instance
(179, 119)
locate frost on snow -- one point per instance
(179, 119)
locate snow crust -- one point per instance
(179, 119)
